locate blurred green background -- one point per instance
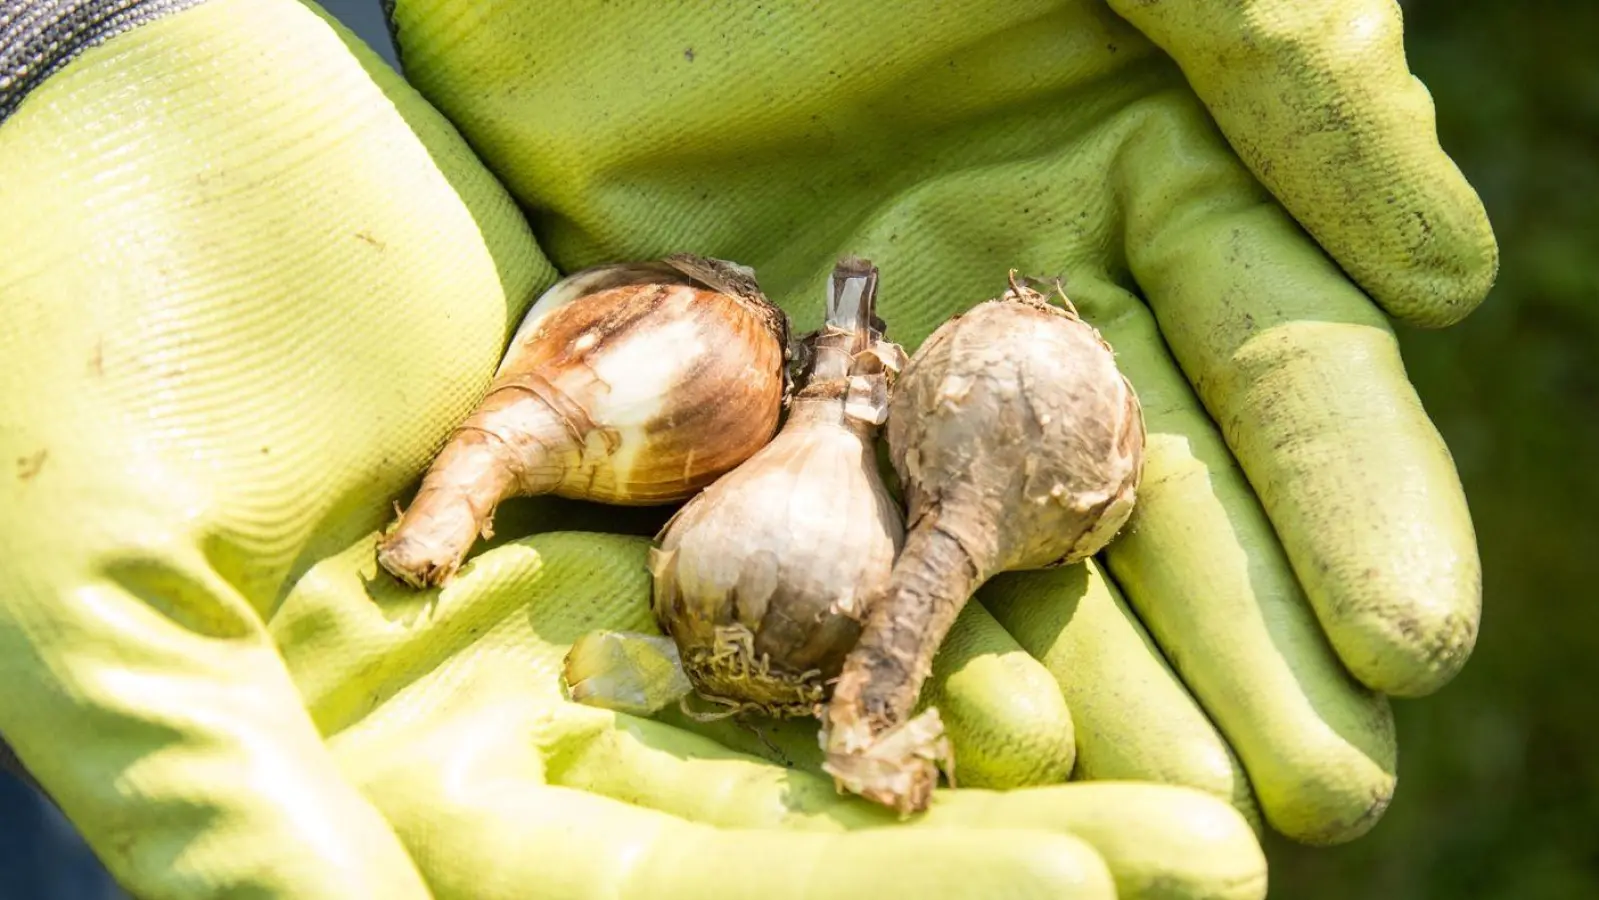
(1499, 774)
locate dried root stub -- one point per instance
(1019, 445)
(630, 384)
(764, 579)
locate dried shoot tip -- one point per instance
(1024, 291)
(852, 300)
(852, 330)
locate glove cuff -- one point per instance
(38, 37)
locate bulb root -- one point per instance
(495, 454)
(873, 747)
(731, 673)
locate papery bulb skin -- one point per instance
(657, 390)
(765, 578)
(635, 384)
(1019, 445)
(1014, 428)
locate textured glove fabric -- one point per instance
(1318, 102)
(1302, 546)
(254, 284)
(249, 281)
(37, 37)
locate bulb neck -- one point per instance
(838, 403)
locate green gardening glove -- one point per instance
(251, 281)
(1235, 193)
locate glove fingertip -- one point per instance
(1004, 711)
(1319, 102)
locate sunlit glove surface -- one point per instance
(250, 283)
(1235, 194)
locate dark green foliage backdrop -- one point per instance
(1499, 774)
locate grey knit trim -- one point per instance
(37, 37)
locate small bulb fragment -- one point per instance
(628, 672)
